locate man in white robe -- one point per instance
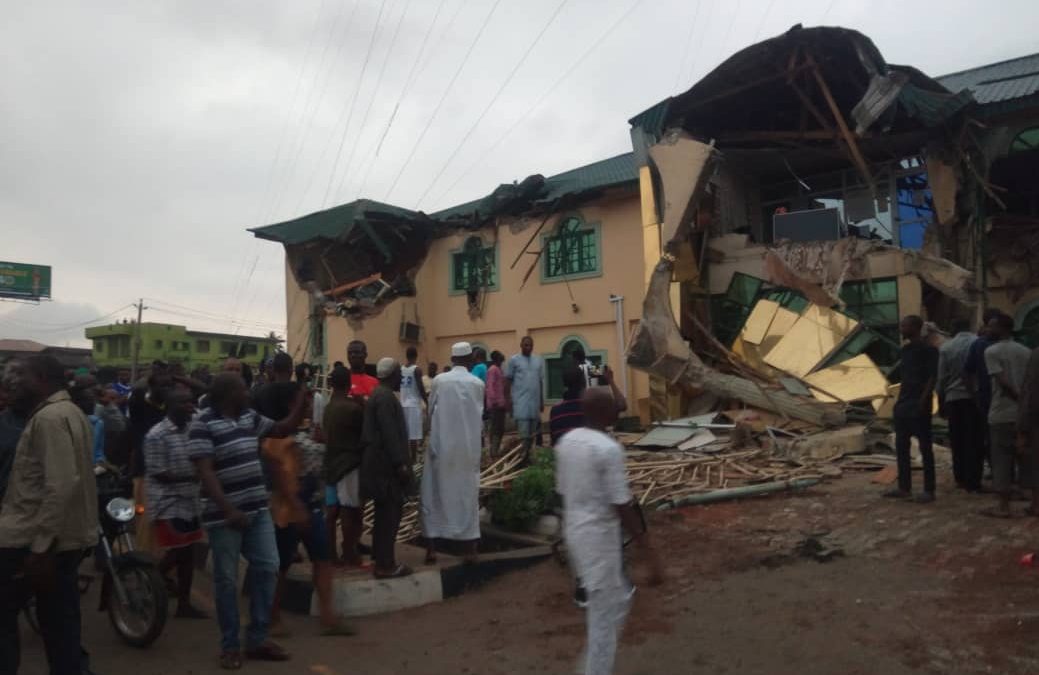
(451, 476)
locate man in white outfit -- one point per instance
(412, 397)
(591, 478)
(451, 476)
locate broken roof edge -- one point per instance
(886, 81)
(535, 192)
(334, 222)
(532, 195)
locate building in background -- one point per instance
(113, 345)
(555, 258)
(873, 196)
(70, 357)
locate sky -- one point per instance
(139, 140)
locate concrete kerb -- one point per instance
(359, 594)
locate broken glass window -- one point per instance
(874, 303)
(474, 267)
(573, 250)
(730, 311)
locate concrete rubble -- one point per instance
(786, 324)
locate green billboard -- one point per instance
(25, 282)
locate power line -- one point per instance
(371, 99)
(233, 324)
(761, 24)
(353, 101)
(685, 47)
(443, 98)
(732, 23)
(288, 112)
(699, 45)
(827, 12)
(59, 328)
(544, 96)
(269, 197)
(204, 314)
(400, 98)
(308, 120)
(494, 99)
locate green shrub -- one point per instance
(530, 494)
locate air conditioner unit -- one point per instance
(409, 332)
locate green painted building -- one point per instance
(113, 346)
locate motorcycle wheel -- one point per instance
(30, 615)
(139, 622)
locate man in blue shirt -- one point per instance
(524, 373)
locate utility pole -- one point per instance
(136, 341)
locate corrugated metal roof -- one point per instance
(604, 173)
(998, 82)
(329, 224)
(21, 346)
(597, 175)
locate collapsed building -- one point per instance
(790, 208)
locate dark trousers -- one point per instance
(57, 610)
(905, 429)
(496, 422)
(966, 429)
(388, 513)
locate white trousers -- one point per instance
(607, 610)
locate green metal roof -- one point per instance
(332, 223)
(998, 82)
(605, 173)
(339, 221)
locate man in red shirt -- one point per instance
(361, 383)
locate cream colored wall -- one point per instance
(541, 310)
(297, 308)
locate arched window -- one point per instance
(1027, 321)
(474, 267)
(1025, 141)
(556, 363)
(571, 251)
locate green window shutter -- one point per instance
(474, 267)
(572, 250)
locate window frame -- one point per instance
(496, 286)
(589, 353)
(546, 237)
(198, 346)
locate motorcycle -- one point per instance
(132, 590)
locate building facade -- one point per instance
(113, 345)
(863, 194)
(70, 357)
(561, 263)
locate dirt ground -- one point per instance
(918, 589)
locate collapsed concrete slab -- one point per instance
(658, 348)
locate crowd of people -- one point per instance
(987, 387)
(232, 459)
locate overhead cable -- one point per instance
(494, 99)
(544, 97)
(440, 103)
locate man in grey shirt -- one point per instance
(1006, 362)
(957, 406)
(524, 373)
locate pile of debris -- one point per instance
(495, 476)
(738, 453)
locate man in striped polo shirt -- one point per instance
(224, 445)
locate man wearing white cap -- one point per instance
(386, 467)
(451, 477)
